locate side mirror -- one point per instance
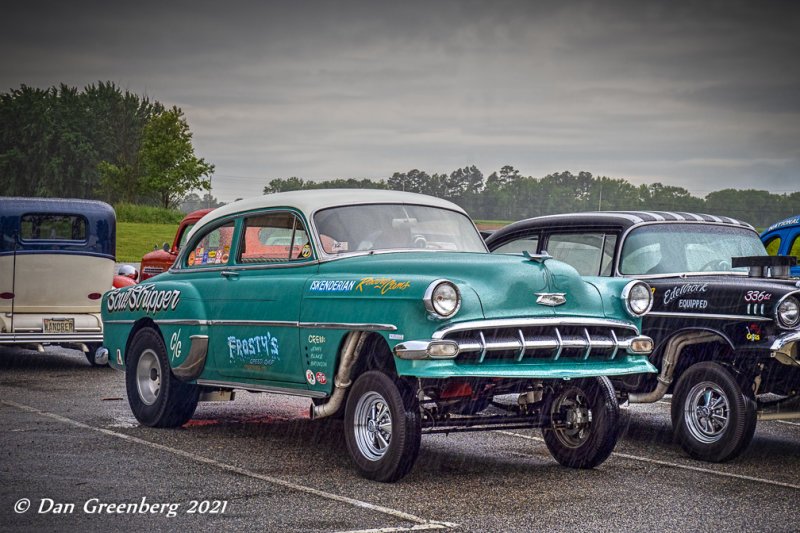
(165, 247)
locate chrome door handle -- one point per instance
(230, 273)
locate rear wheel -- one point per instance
(157, 398)
(585, 416)
(382, 426)
(712, 417)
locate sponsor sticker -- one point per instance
(753, 333)
(310, 377)
(321, 379)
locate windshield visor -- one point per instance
(686, 248)
(395, 227)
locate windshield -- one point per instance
(395, 227)
(678, 248)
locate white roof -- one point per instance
(311, 201)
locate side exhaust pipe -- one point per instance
(671, 354)
(352, 349)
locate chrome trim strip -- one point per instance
(348, 326)
(533, 322)
(710, 316)
(276, 324)
(118, 321)
(262, 388)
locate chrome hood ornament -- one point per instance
(551, 298)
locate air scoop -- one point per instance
(766, 266)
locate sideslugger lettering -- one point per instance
(143, 297)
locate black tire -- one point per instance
(157, 398)
(382, 452)
(90, 354)
(585, 415)
(712, 417)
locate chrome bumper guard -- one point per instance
(526, 339)
(49, 338)
(785, 349)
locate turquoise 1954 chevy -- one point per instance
(386, 309)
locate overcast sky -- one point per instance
(703, 95)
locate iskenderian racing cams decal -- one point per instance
(382, 285)
(142, 297)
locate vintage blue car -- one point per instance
(783, 238)
(56, 261)
(387, 309)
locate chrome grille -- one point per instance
(553, 339)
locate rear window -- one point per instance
(50, 227)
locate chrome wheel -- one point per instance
(573, 416)
(148, 377)
(372, 426)
(706, 412)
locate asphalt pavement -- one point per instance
(74, 458)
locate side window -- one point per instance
(607, 263)
(583, 251)
(273, 238)
(528, 244)
(773, 245)
(213, 248)
(794, 249)
(184, 235)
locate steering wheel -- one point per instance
(716, 264)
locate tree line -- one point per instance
(508, 195)
(98, 143)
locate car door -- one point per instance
(257, 306)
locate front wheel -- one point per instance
(157, 398)
(382, 426)
(584, 422)
(713, 419)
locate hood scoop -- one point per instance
(766, 266)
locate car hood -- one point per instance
(506, 286)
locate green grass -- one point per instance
(147, 214)
(134, 239)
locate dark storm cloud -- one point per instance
(698, 94)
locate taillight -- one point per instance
(95, 296)
(7, 296)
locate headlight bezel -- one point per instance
(793, 297)
(626, 297)
(434, 306)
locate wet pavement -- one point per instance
(73, 457)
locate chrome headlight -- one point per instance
(638, 298)
(788, 312)
(442, 298)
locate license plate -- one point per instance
(58, 325)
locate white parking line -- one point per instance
(422, 524)
(788, 423)
(674, 465)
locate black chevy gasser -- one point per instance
(725, 317)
